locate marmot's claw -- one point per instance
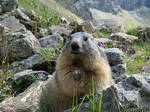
(77, 75)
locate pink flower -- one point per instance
(146, 68)
(42, 75)
(127, 50)
(132, 58)
(102, 45)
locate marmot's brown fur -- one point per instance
(80, 62)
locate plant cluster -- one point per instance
(47, 17)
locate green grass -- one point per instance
(47, 54)
(139, 62)
(47, 17)
(91, 98)
(5, 89)
(142, 9)
(53, 5)
(102, 34)
(134, 32)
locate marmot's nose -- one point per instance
(75, 46)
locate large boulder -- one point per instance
(114, 25)
(51, 42)
(86, 26)
(8, 5)
(123, 37)
(24, 102)
(28, 63)
(117, 62)
(129, 95)
(124, 41)
(105, 41)
(3, 30)
(13, 24)
(35, 62)
(55, 30)
(145, 33)
(21, 80)
(18, 13)
(19, 45)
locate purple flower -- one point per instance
(102, 36)
(127, 50)
(102, 45)
(132, 58)
(146, 68)
(42, 75)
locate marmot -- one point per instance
(80, 62)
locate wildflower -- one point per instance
(132, 58)
(127, 50)
(102, 36)
(42, 75)
(40, 18)
(146, 68)
(102, 45)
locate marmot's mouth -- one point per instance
(75, 52)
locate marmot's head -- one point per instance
(81, 44)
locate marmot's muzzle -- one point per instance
(75, 48)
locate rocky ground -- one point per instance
(28, 53)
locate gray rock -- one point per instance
(9, 5)
(26, 63)
(133, 92)
(122, 37)
(3, 30)
(145, 33)
(55, 30)
(86, 26)
(119, 71)
(52, 41)
(18, 13)
(117, 62)
(81, 34)
(41, 32)
(114, 25)
(21, 80)
(32, 15)
(1, 9)
(102, 28)
(25, 74)
(24, 102)
(82, 10)
(107, 41)
(19, 45)
(124, 41)
(13, 24)
(63, 20)
(115, 56)
(32, 26)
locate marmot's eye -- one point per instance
(85, 38)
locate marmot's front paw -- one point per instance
(77, 75)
